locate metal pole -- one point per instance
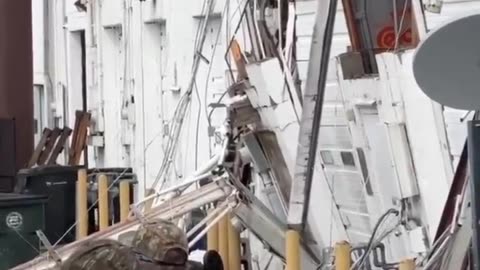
(82, 207)
(124, 200)
(474, 165)
(103, 202)
(292, 248)
(342, 256)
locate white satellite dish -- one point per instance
(446, 64)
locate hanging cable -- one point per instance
(399, 29)
(180, 111)
(373, 238)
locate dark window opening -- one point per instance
(347, 158)
(327, 157)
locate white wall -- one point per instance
(140, 54)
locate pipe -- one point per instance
(214, 222)
(199, 174)
(212, 213)
(234, 253)
(82, 205)
(408, 264)
(103, 202)
(223, 241)
(152, 195)
(124, 200)
(292, 248)
(342, 256)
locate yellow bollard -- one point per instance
(124, 200)
(342, 256)
(408, 264)
(82, 205)
(103, 202)
(212, 237)
(223, 241)
(292, 248)
(234, 253)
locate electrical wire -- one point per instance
(207, 80)
(180, 111)
(399, 29)
(197, 128)
(218, 101)
(373, 239)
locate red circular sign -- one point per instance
(386, 38)
(406, 37)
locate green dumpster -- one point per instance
(20, 217)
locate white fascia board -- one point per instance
(429, 151)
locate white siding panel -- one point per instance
(450, 10)
(456, 128)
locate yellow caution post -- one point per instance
(82, 204)
(124, 200)
(407, 264)
(234, 253)
(103, 202)
(292, 248)
(212, 237)
(223, 241)
(342, 256)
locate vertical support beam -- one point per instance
(311, 113)
(103, 202)
(342, 256)
(16, 76)
(407, 264)
(82, 205)
(292, 249)
(212, 237)
(223, 240)
(124, 200)
(474, 165)
(234, 254)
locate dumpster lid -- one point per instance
(48, 169)
(7, 199)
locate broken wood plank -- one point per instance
(59, 146)
(239, 61)
(49, 146)
(78, 117)
(81, 139)
(38, 150)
